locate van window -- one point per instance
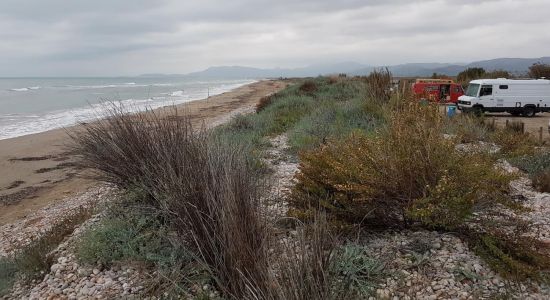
(431, 88)
(503, 87)
(472, 90)
(486, 90)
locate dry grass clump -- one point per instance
(308, 87)
(541, 181)
(264, 102)
(132, 151)
(469, 128)
(379, 84)
(205, 188)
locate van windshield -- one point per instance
(472, 90)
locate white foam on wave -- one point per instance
(176, 94)
(33, 88)
(14, 125)
(115, 85)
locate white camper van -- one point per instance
(526, 97)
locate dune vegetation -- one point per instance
(191, 203)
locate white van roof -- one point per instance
(511, 81)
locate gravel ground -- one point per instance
(20, 233)
(68, 279)
(282, 179)
(421, 264)
(433, 265)
(425, 264)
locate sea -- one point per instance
(33, 105)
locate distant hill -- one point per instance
(514, 65)
(249, 72)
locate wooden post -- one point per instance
(506, 123)
(493, 126)
(522, 127)
(540, 135)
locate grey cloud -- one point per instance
(105, 37)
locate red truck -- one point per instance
(440, 90)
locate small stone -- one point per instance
(56, 267)
(84, 291)
(478, 268)
(95, 271)
(83, 272)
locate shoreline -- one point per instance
(95, 112)
(36, 170)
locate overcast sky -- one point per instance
(129, 37)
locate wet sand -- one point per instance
(37, 170)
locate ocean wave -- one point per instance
(24, 89)
(14, 125)
(176, 94)
(103, 86)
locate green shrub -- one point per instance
(330, 121)
(283, 114)
(469, 128)
(471, 185)
(532, 164)
(513, 254)
(537, 165)
(356, 272)
(8, 275)
(134, 236)
(377, 176)
(513, 143)
(407, 172)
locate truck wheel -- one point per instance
(529, 111)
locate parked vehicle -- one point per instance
(526, 97)
(440, 90)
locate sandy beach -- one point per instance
(37, 170)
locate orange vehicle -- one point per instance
(440, 90)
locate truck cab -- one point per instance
(526, 97)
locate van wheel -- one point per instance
(477, 111)
(529, 111)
